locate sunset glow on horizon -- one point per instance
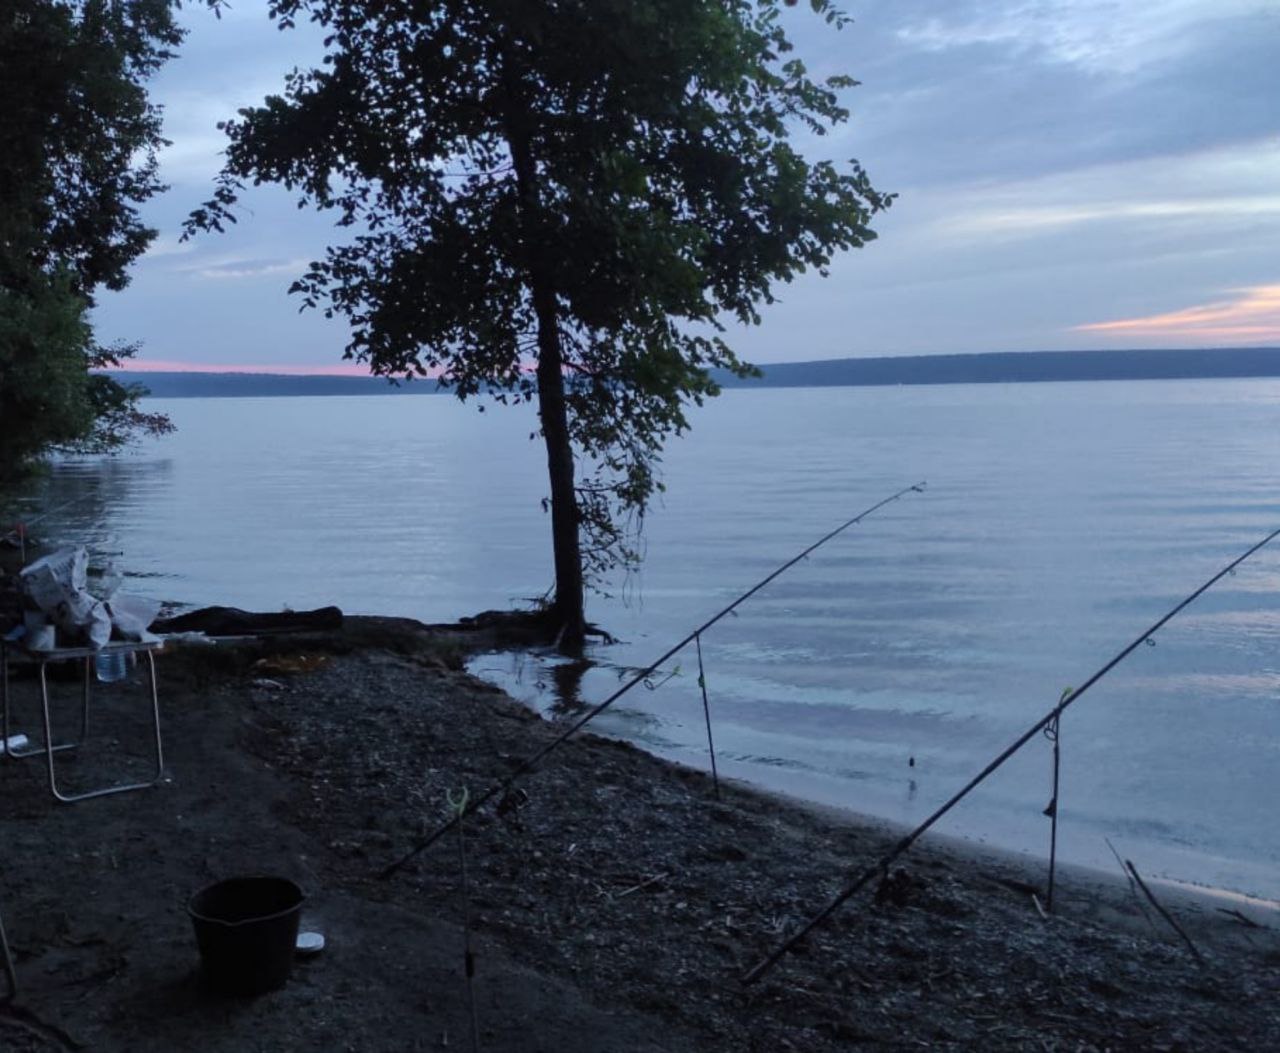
(1252, 316)
(339, 369)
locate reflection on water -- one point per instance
(82, 495)
(1060, 520)
(566, 686)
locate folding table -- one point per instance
(85, 656)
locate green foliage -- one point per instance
(48, 398)
(78, 142)
(607, 181)
(79, 135)
(43, 397)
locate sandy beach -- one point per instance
(614, 909)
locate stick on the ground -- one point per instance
(1133, 888)
(1243, 919)
(644, 884)
(1164, 913)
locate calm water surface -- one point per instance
(1060, 520)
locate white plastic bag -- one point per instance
(58, 585)
(132, 615)
(98, 630)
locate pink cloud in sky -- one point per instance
(1253, 316)
(338, 369)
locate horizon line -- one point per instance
(361, 371)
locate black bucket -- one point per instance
(247, 929)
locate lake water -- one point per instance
(1060, 520)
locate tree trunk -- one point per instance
(568, 608)
(569, 601)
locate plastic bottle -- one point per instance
(110, 666)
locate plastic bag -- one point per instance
(131, 616)
(58, 585)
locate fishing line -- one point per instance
(528, 765)
(881, 866)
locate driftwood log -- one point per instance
(231, 621)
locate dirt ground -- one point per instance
(614, 909)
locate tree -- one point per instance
(78, 142)
(560, 200)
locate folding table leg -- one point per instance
(31, 751)
(10, 974)
(50, 749)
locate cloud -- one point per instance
(972, 89)
(1096, 36)
(245, 268)
(167, 245)
(1032, 219)
(1058, 163)
(1018, 264)
(1252, 315)
(1166, 195)
(224, 64)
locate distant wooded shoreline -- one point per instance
(986, 368)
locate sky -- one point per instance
(1076, 174)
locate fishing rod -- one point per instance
(54, 511)
(17, 534)
(881, 866)
(528, 765)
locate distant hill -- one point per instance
(266, 385)
(986, 368)
(1020, 367)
